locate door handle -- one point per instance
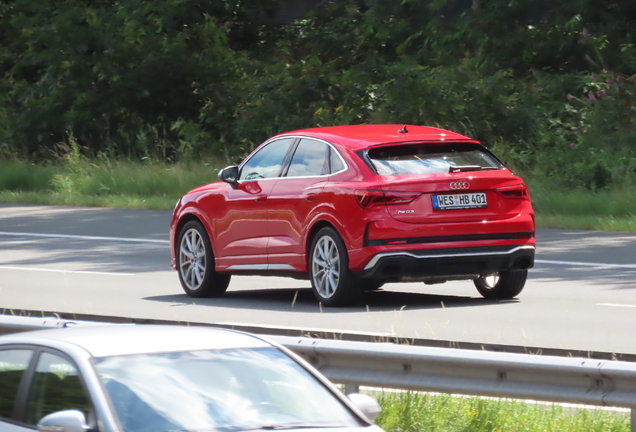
(261, 198)
(311, 196)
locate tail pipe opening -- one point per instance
(524, 263)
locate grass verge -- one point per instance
(103, 183)
(153, 185)
(609, 210)
(419, 412)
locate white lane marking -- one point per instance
(167, 242)
(586, 264)
(3, 267)
(81, 237)
(616, 305)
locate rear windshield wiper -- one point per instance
(464, 168)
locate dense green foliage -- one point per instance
(547, 85)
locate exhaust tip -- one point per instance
(391, 270)
(524, 263)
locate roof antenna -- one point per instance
(403, 130)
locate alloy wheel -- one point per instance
(325, 264)
(192, 259)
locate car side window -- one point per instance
(336, 162)
(311, 158)
(56, 386)
(267, 162)
(13, 364)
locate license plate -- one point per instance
(460, 201)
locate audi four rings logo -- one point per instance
(460, 185)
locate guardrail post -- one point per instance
(350, 388)
(633, 420)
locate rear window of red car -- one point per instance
(430, 159)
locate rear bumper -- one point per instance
(439, 265)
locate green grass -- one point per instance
(154, 185)
(420, 412)
(26, 177)
(555, 207)
(121, 201)
(103, 183)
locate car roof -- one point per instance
(360, 137)
(126, 339)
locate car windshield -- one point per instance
(220, 390)
(430, 159)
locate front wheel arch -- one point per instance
(184, 219)
(196, 264)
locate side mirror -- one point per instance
(64, 421)
(366, 404)
(229, 174)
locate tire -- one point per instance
(502, 286)
(195, 263)
(331, 281)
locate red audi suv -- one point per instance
(353, 207)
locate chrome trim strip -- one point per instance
(261, 267)
(248, 267)
(281, 267)
(373, 261)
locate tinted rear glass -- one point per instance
(429, 159)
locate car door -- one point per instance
(241, 221)
(295, 198)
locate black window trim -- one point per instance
(288, 158)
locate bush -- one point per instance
(547, 85)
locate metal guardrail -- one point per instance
(457, 371)
(330, 334)
(13, 324)
(480, 373)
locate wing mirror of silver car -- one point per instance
(366, 404)
(229, 174)
(66, 421)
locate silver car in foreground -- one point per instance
(138, 378)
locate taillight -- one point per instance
(370, 198)
(516, 191)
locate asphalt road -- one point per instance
(581, 295)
